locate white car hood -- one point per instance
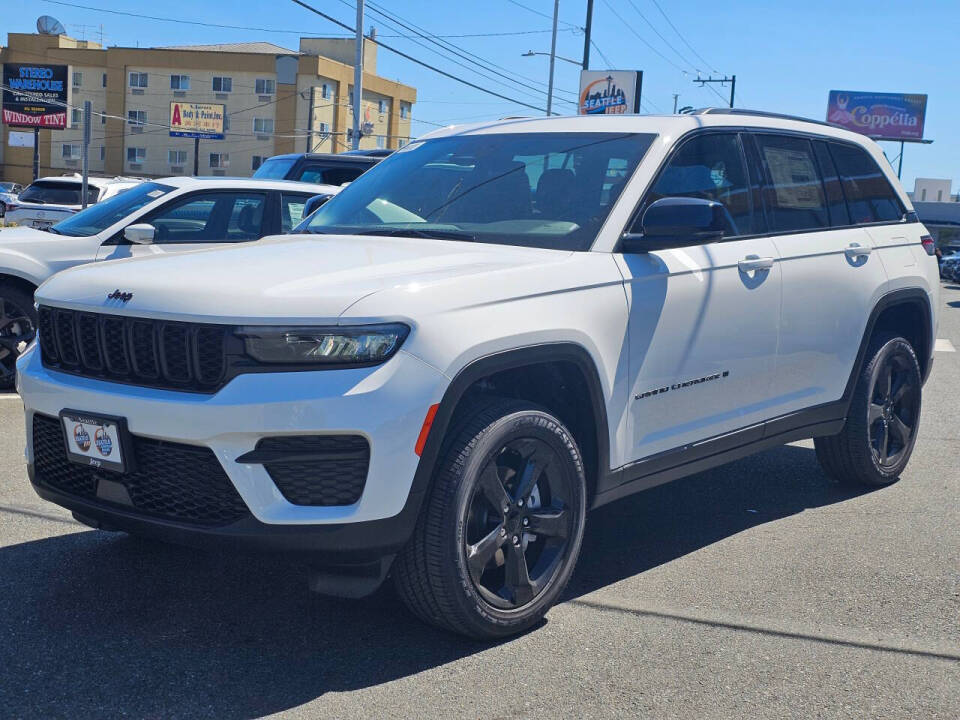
(291, 278)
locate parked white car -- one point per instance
(495, 329)
(152, 218)
(49, 200)
(8, 195)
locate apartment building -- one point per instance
(277, 101)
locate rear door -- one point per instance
(831, 272)
(703, 319)
(201, 220)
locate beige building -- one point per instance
(277, 101)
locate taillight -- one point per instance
(928, 244)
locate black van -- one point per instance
(325, 168)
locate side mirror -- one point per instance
(140, 234)
(314, 204)
(673, 222)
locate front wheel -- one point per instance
(878, 438)
(501, 529)
(18, 323)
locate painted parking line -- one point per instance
(943, 345)
(9, 396)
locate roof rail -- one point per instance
(756, 113)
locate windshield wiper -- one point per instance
(420, 233)
(53, 230)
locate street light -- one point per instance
(531, 53)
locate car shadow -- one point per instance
(99, 624)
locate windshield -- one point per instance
(6, 187)
(99, 217)
(550, 190)
(275, 168)
(54, 192)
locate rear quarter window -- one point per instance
(870, 196)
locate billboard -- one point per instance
(35, 95)
(609, 92)
(882, 116)
(197, 120)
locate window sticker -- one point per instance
(795, 180)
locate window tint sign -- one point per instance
(609, 92)
(35, 95)
(881, 116)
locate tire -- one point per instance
(878, 437)
(464, 548)
(18, 323)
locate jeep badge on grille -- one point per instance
(123, 297)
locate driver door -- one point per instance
(197, 221)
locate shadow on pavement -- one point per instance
(94, 623)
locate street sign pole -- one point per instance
(36, 152)
(85, 161)
(358, 77)
(196, 156)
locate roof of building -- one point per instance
(265, 48)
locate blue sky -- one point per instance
(786, 55)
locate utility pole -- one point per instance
(358, 77)
(85, 155)
(586, 35)
(732, 80)
(553, 56)
(36, 152)
(313, 95)
(196, 157)
(675, 97)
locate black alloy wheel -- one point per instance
(518, 523)
(17, 330)
(894, 408)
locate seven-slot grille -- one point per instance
(155, 353)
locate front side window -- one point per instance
(291, 210)
(869, 195)
(532, 189)
(709, 167)
(210, 217)
(794, 192)
(99, 217)
(138, 79)
(265, 86)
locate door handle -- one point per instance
(753, 262)
(854, 250)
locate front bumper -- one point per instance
(385, 404)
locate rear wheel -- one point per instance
(878, 438)
(18, 323)
(501, 530)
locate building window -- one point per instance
(138, 80)
(350, 100)
(179, 82)
(76, 116)
(71, 151)
(103, 117)
(136, 118)
(324, 128)
(177, 157)
(103, 152)
(136, 155)
(222, 84)
(263, 126)
(226, 119)
(77, 79)
(256, 162)
(404, 111)
(325, 91)
(265, 86)
(381, 141)
(381, 106)
(219, 160)
(104, 81)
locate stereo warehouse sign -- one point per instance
(35, 95)
(197, 120)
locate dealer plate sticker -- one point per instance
(93, 441)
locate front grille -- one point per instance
(316, 469)
(172, 481)
(154, 353)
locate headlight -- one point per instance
(359, 345)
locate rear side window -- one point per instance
(794, 193)
(831, 185)
(869, 195)
(330, 175)
(53, 192)
(710, 167)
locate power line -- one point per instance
(659, 35)
(419, 62)
(642, 39)
(544, 15)
(680, 35)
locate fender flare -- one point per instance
(509, 360)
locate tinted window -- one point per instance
(869, 195)
(330, 175)
(291, 210)
(794, 192)
(53, 192)
(100, 216)
(275, 168)
(836, 203)
(710, 167)
(549, 189)
(210, 217)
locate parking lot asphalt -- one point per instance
(758, 589)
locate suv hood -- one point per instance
(287, 278)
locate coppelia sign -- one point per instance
(35, 95)
(881, 116)
(609, 92)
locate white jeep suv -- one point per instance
(492, 331)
